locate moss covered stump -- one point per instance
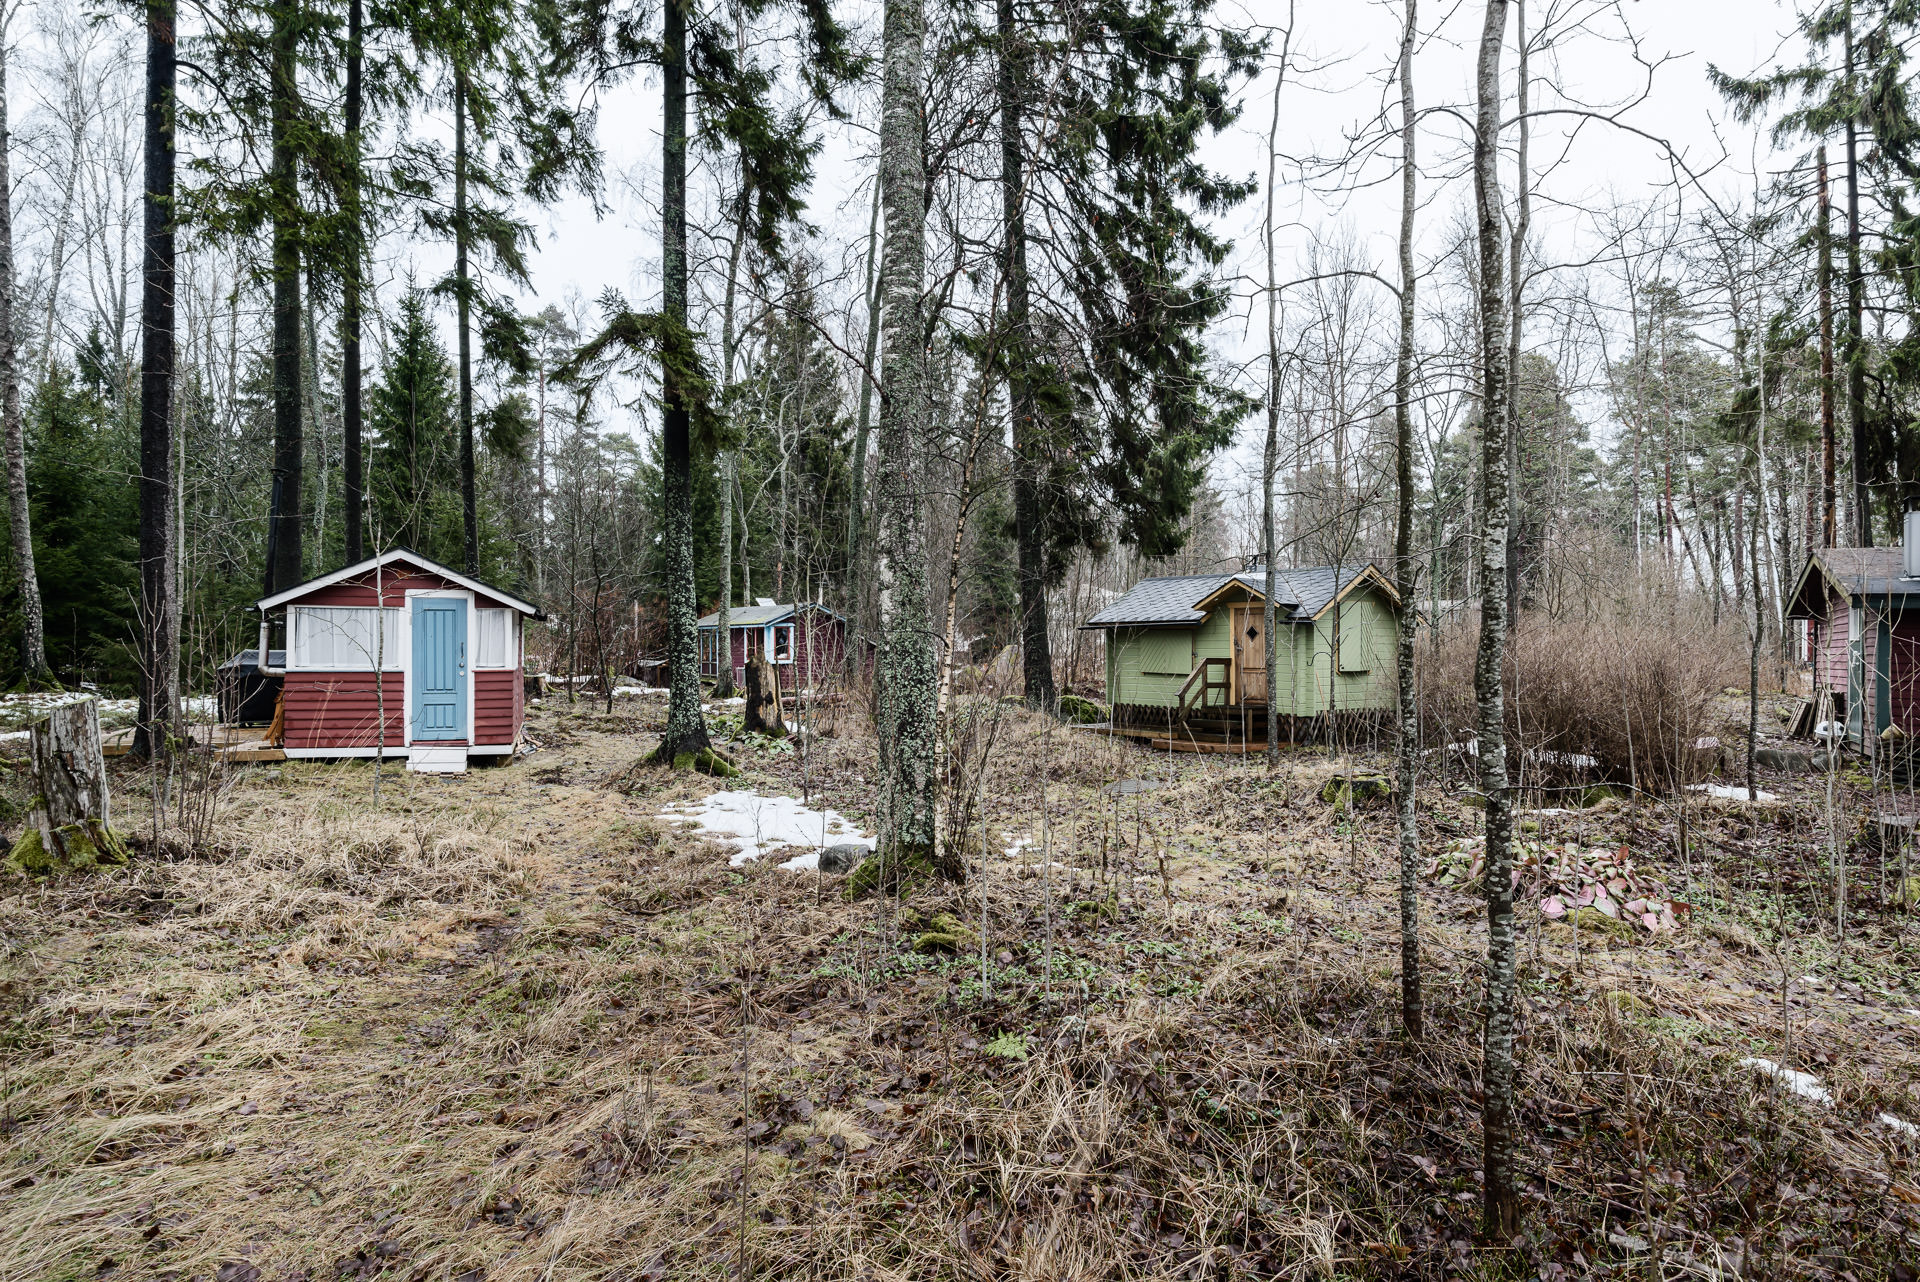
(70, 826)
(73, 848)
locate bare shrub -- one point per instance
(1616, 700)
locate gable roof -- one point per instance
(388, 558)
(1852, 572)
(759, 616)
(1183, 600)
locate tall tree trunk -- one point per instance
(462, 236)
(288, 566)
(156, 392)
(1856, 336)
(1407, 744)
(1029, 510)
(1516, 283)
(1823, 239)
(686, 734)
(1501, 1201)
(729, 349)
(33, 636)
(907, 721)
(350, 288)
(1270, 455)
(857, 498)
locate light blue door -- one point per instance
(439, 668)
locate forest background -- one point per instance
(1670, 245)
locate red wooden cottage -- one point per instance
(447, 648)
(805, 641)
(1862, 607)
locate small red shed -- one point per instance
(805, 641)
(447, 650)
(1862, 607)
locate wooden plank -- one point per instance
(1206, 745)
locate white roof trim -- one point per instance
(387, 558)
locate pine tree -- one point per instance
(159, 662)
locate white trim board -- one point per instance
(388, 558)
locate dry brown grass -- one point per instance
(514, 1027)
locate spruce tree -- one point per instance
(411, 414)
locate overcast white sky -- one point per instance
(1343, 51)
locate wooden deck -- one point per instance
(231, 743)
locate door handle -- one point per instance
(463, 656)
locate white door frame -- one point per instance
(407, 685)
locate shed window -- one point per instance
(783, 643)
(331, 636)
(494, 639)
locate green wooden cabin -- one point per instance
(1186, 653)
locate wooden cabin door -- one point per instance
(439, 673)
(1249, 654)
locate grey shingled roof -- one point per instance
(1855, 572)
(1170, 601)
(758, 616)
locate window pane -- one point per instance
(491, 643)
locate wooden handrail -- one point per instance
(1207, 684)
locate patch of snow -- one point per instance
(620, 690)
(11, 735)
(1548, 810)
(1730, 792)
(757, 824)
(1900, 1124)
(1805, 1085)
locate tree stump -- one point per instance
(763, 698)
(68, 827)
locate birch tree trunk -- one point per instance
(729, 343)
(1407, 744)
(1501, 1202)
(1270, 457)
(157, 659)
(1517, 246)
(33, 636)
(857, 498)
(906, 676)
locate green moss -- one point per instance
(897, 871)
(946, 934)
(707, 762)
(83, 845)
(1343, 791)
(1080, 711)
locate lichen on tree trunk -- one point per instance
(70, 825)
(909, 747)
(685, 743)
(1501, 1200)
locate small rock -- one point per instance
(844, 857)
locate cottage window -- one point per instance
(783, 643)
(493, 639)
(345, 638)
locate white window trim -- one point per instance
(512, 660)
(297, 651)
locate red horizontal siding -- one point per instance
(496, 706)
(342, 710)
